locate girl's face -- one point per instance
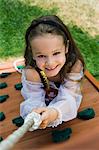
(49, 53)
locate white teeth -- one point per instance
(51, 68)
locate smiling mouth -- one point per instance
(51, 69)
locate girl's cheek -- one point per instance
(40, 63)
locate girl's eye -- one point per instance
(41, 56)
(56, 53)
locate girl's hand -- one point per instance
(47, 115)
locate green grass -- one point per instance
(89, 48)
(15, 17)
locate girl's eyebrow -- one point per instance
(58, 49)
(38, 53)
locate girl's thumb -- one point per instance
(44, 116)
(40, 110)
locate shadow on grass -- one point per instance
(15, 18)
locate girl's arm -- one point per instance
(69, 96)
(34, 96)
(32, 91)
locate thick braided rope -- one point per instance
(32, 122)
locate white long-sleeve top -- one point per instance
(66, 102)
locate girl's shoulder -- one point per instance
(77, 67)
(32, 75)
(77, 72)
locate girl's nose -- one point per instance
(49, 61)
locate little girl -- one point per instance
(52, 74)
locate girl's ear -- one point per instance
(33, 58)
(67, 47)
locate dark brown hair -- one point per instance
(52, 24)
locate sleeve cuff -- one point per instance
(75, 76)
(58, 120)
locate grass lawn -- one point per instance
(16, 15)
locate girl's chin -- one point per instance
(52, 73)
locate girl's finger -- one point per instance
(44, 116)
(40, 110)
(43, 125)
